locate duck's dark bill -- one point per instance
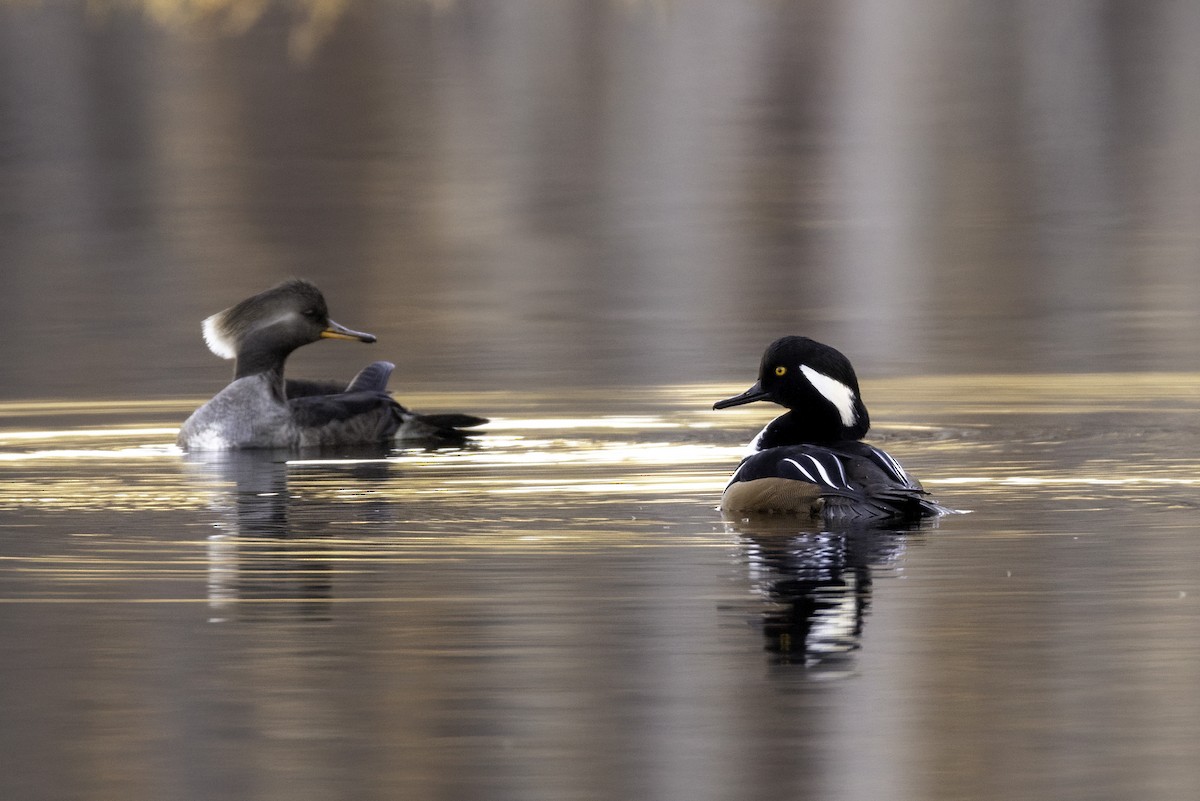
(755, 393)
(336, 331)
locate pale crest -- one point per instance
(225, 330)
(215, 336)
(834, 391)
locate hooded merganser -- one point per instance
(812, 460)
(259, 409)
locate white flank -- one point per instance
(217, 343)
(837, 393)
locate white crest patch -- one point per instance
(217, 342)
(834, 391)
(225, 330)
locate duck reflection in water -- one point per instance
(816, 582)
(266, 561)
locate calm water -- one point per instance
(560, 612)
(585, 220)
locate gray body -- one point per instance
(243, 415)
(249, 413)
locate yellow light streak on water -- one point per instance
(550, 475)
(85, 433)
(661, 442)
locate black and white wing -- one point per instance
(854, 480)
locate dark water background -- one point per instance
(586, 220)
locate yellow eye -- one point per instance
(781, 370)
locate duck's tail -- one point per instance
(907, 507)
(437, 429)
(413, 428)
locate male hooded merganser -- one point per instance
(259, 409)
(812, 460)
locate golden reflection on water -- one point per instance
(673, 445)
(1059, 393)
(94, 508)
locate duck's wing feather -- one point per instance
(366, 416)
(375, 377)
(809, 463)
(892, 471)
(345, 418)
(372, 378)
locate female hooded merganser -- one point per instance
(812, 460)
(259, 409)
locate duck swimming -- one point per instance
(260, 409)
(811, 460)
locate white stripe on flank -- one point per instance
(834, 391)
(807, 474)
(842, 472)
(821, 469)
(890, 461)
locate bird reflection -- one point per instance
(259, 553)
(816, 582)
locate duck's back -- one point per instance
(847, 480)
(361, 413)
(347, 418)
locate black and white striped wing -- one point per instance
(892, 470)
(813, 464)
(856, 480)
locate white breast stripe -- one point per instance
(834, 391)
(756, 444)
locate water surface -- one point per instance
(560, 611)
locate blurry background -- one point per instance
(556, 193)
(589, 218)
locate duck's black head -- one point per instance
(816, 382)
(262, 330)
